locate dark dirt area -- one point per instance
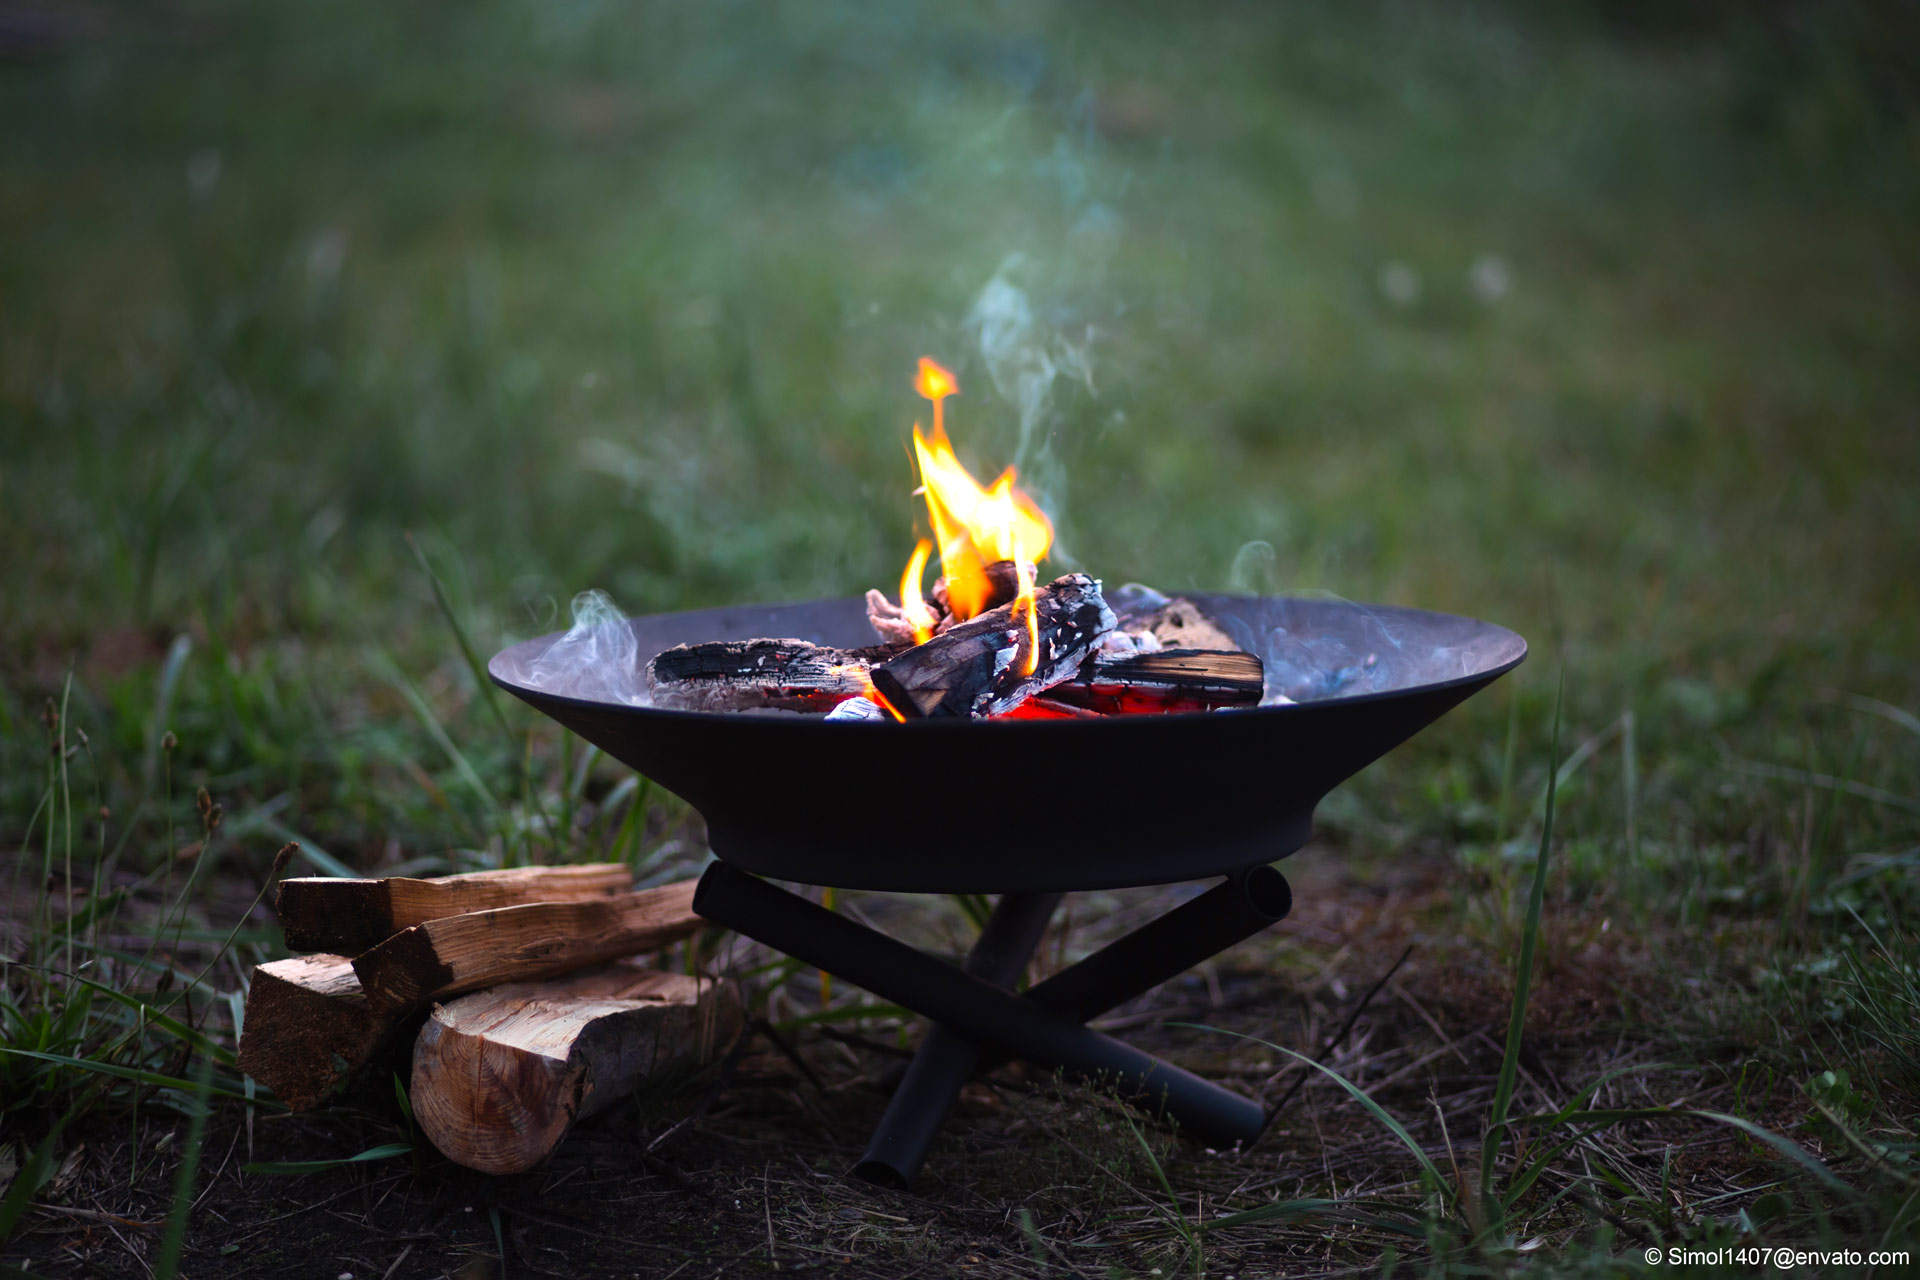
(1032, 1176)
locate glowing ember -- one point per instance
(974, 526)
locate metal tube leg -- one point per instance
(933, 1081)
(1197, 930)
(975, 1009)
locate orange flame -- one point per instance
(975, 527)
(919, 617)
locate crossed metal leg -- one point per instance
(979, 1022)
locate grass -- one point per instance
(343, 348)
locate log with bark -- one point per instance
(347, 917)
(499, 1076)
(1167, 680)
(742, 675)
(308, 1029)
(457, 954)
(981, 667)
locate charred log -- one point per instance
(745, 675)
(989, 665)
(1003, 584)
(1169, 680)
(1049, 709)
(890, 622)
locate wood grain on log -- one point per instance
(499, 1076)
(446, 957)
(308, 1028)
(741, 675)
(323, 913)
(1169, 680)
(978, 667)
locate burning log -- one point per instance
(500, 1076)
(1050, 709)
(743, 675)
(540, 940)
(347, 917)
(308, 1028)
(894, 626)
(992, 663)
(1168, 680)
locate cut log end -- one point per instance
(308, 1028)
(501, 1075)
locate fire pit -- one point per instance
(1022, 702)
(1069, 804)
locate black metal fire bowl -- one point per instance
(1029, 810)
(1048, 805)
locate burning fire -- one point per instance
(975, 527)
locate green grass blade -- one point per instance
(1375, 1109)
(391, 673)
(167, 1265)
(1523, 973)
(322, 861)
(386, 1151)
(481, 679)
(1792, 1151)
(176, 661)
(172, 1026)
(135, 1074)
(32, 1175)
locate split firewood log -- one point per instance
(457, 954)
(324, 913)
(743, 675)
(308, 1029)
(981, 667)
(500, 1076)
(1167, 680)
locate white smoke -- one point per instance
(597, 660)
(1023, 357)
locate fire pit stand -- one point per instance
(975, 1012)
